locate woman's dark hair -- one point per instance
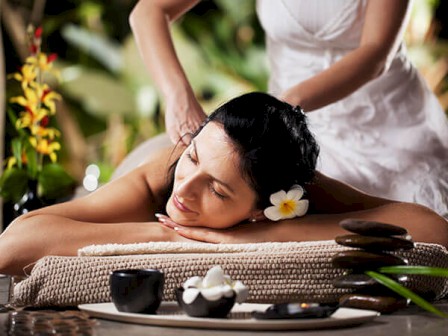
(276, 147)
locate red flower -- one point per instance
(44, 122)
(33, 49)
(52, 57)
(38, 32)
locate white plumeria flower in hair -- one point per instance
(287, 204)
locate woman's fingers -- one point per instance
(202, 234)
(199, 234)
(166, 220)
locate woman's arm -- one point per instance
(382, 33)
(150, 21)
(422, 224)
(331, 201)
(119, 212)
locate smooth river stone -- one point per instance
(366, 260)
(382, 304)
(355, 281)
(367, 228)
(375, 243)
(361, 281)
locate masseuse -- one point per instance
(378, 125)
(248, 175)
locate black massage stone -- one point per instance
(369, 228)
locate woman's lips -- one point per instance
(179, 205)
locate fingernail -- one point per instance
(158, 215)
(166, 225)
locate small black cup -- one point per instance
(137, 290)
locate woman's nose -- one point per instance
(187, 187)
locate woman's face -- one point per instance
(208, 187)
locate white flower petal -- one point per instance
(296, 192)
(272, 213)
(301, 208)
(214, 277)
(278, 197)
(195, 282)
(189, 295)
(292, 214)
(212, 293)
(227, 291)
(227, 279)
(242, 292)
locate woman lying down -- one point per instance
(248, 175)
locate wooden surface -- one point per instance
(410, 321)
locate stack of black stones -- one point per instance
(374, 242)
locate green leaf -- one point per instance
(423, 270)
(55, 182)
(110, 97)
(16, 145)
(13, 184)
(31, 163)
(103, 48)
(13, 119)
(403, 291)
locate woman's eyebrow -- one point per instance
(227, 186)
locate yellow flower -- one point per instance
(30, 98)
(26, 76)
(287, 204)
(42, 61)
(11, 162)
(46, 147)
(45, 132)
(30, 118)
(48, 98)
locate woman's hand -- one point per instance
(183, 117)
(257, 232)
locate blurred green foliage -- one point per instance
(107, 87)
(220, 44)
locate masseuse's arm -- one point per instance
(382, 33)
(150, 21)
(119, 212)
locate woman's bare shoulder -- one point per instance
(328, 195)
(156, 168)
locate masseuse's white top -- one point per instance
(390, 137)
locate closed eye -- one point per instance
(214, 192)
(193, 160)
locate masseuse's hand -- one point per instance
(244, 233)
(183, 117)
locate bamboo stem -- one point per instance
(16, 28)
(2, 110)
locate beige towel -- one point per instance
(193, 247)
(274, 272)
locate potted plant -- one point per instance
(32, 177)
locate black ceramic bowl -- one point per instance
(201, 307)
(137, 290)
